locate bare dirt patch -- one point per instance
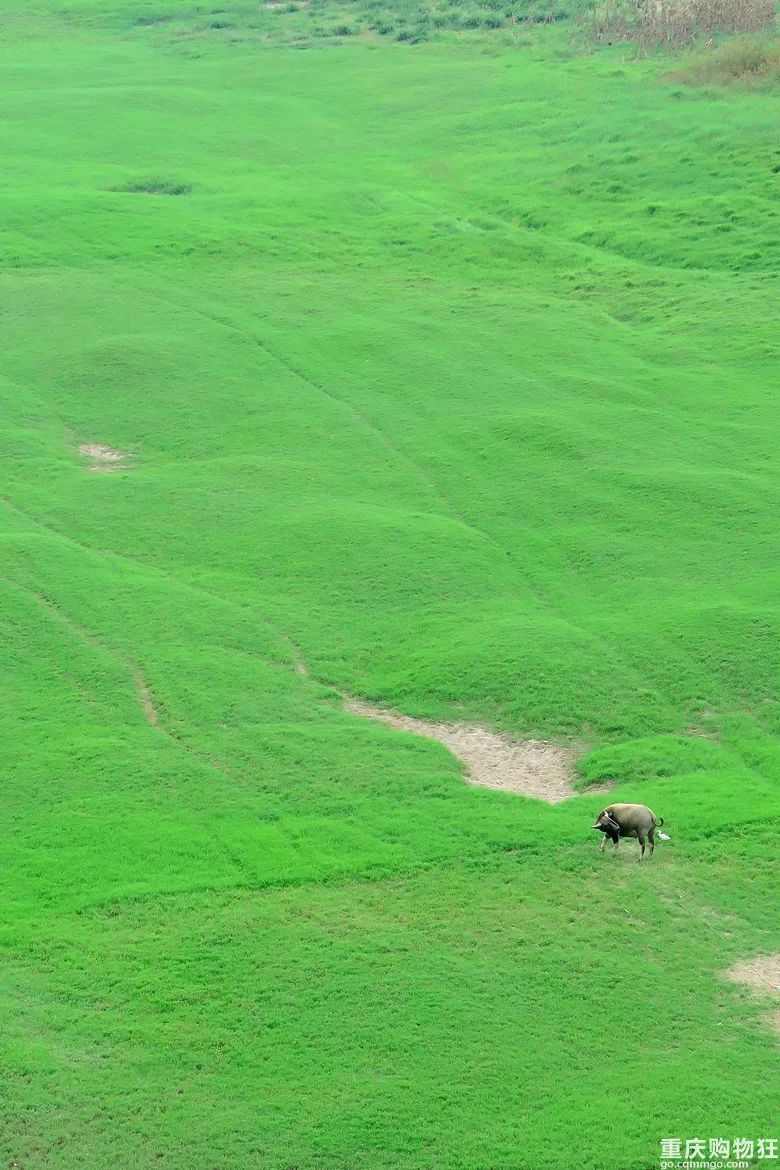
(103, 458)
(699, 732)
(761, 975)
(529, 767)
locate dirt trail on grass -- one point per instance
(762, 975)
(530, 767)
(527, 767)
(146, 701)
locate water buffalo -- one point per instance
(628, 820)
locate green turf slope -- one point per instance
(449, 374)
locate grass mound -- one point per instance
(189, 26)
(154, 187)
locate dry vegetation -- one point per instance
(738, 62)
(651, 23)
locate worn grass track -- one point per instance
(446, 373)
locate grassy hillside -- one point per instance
(448, 372)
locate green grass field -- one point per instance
(448, 370)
